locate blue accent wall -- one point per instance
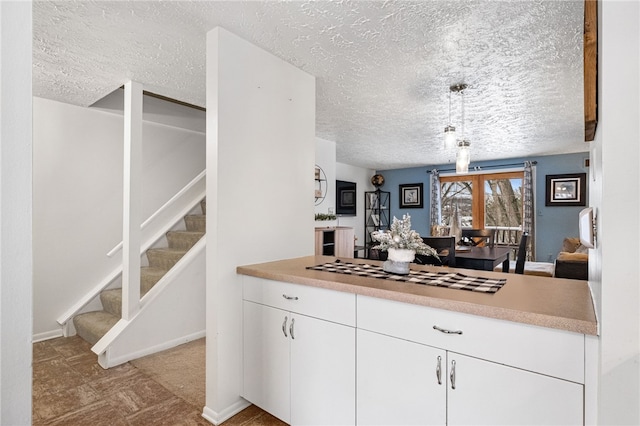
(553, 224)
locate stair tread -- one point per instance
(91, 326)
(196, 222)
(185, 233)
(167, 251)
(153, 270)
(183, 240)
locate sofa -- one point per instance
(572, 261)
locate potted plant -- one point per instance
(402, 244)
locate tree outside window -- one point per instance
(492, 200)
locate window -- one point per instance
(492, 200)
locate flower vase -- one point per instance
(398, 261)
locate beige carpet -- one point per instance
(181, 370)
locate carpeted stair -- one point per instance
(91, 326)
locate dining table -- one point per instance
(483, 258)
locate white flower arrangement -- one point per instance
(402, 237)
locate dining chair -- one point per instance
(479, 237)
(524, 267)
(446, 248)
(522, 254)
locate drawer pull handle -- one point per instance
(452, 376)
(439, 370)
(445, 331)
(284, 327)
(291, 329)
(290, 297)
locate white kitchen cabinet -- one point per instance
(396, 360)
(266, 359)
(323, 373)
(487, 393)
(406, 383)
(398, 382)
(297, 367)
(306, 362)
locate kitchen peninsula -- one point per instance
(425, 354)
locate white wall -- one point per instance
(15, 213)
(77, 196)
(615, 274)
(362, 178)
(326, 159)
(260, 162)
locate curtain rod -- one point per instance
(480, 168)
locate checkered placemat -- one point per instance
(439, 279)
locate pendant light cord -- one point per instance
(462, 114)
(449, 108)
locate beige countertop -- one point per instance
(548, 302)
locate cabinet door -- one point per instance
(344, 242)
(398, 382)
(322, 372)
(492, 394)
(319, 241)
(266, 358)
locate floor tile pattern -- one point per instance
(70, 388)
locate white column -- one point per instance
(617, 295)
(132, 199)
(16, 265)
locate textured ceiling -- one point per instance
(383, 68)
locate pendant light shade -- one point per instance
(449, 137)
(463, 157)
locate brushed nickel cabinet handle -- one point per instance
(445, 331)
(284, 327)
(439, 370)
(452, 375)
(290, 297)
(291, 329)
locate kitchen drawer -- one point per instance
(315, 302)
(544, 350)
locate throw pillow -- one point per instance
(570, 245)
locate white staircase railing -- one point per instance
(171, 313)
(154, 228)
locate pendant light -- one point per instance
(463, 155)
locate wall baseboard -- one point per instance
(53, 334)
(217, 418)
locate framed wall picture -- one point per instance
(345, 198)
(411, 196)
(567, 190)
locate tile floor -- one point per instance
(70, 388)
